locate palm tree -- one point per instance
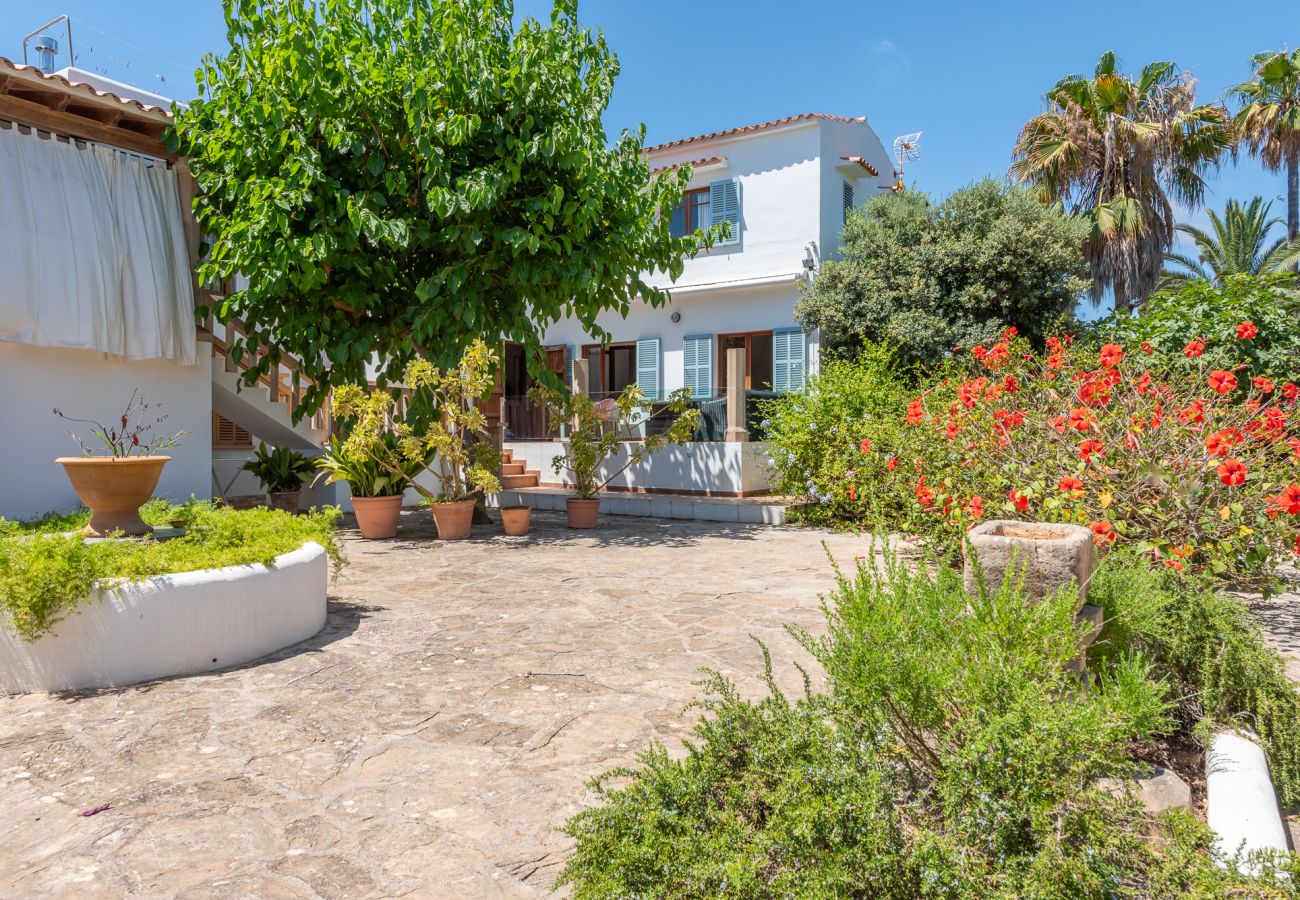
(1269, 122)
(1236, 244)
(1116, 151)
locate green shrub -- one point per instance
(45, 575)
(1209, 313)
(1207, 647)
(951, 755)
(815, 436)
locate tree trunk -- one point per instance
(1293, 197)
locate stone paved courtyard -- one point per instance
(428, 742)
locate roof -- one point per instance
(861, 161)
(693, 163)
(58, 82)
(746, 129)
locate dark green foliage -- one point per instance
(400, 177)
(1207, 647)
(1210, 313)
(815, 436)
(280, 468)
(924, 278)
(951, 755)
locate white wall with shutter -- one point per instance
(788, 360)
(647, 367)
(697, 364)
(724, 206)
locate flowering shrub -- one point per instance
(1195, 465)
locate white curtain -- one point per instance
(92, 251)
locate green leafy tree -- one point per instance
(923, 278)
(399, 177)
(1117, 151)
(1269, 123)
(1236, 244)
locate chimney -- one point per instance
(47, 50)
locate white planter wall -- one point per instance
(719, 468)
(173, 625)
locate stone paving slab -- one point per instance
(429, 741)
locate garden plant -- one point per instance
(282, 471)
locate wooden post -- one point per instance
(737, 426)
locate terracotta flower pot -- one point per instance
(377, 516)
(514, 520)
(453, 519)
(114, 488)
(285, 501)
(582, 513)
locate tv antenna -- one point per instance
(907, 147)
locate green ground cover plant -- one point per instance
(47, 572)
(950, 754)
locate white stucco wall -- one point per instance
(716, 468)
(88, 384)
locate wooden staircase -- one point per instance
(514, 475)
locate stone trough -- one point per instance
(171, 625)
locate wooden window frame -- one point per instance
(597, 379)
(720, 382)
(237, 443)
(689, 211)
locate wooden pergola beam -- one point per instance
(38, 115)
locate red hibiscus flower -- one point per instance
(1175, 564)
(1020, 501)
(1194, 349)
(1221, 442)
(1009, 332)
(1055, 361)
(853, 492)
(1290, 391)
(1143, 383)
(1193, 413)
(1060, 423)
(1010, 384)
(976, 507)
(979, 352)
(1111, 355)
(924, 495)
(1289, 499)
(1247, 330)
(1262, 384)
(892, 464)
(865, 446)
(1081, 419)
(1070, 485)
(1222, 382)
(915, 413)
(1089, 447)
(1103, 532)
(1147, 348)
(1232, 472)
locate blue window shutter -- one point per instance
(724, 206)
(570, 353)
(647, 367)
(848, 200)
(787, 360)
(697, 364)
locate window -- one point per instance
(848, 200)
(758, 359)
(788, 360)
(693, 214)
(226, 433)
(697, 364)
(610, 368)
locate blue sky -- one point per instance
(966, 74)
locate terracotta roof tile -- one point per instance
(745, 129)
(859, 161)
(10, 65)
(694, 163)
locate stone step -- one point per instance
(512, 468)
(513, 482)
(507, 455)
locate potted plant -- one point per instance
(515, 520)
(599, 429)
(117, 478)
(376, 492)
(453, 432)
(282, 472)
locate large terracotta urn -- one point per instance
(582, 513)
(377, 516)
(114, 488)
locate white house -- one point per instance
(785, 186)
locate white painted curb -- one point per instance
(1241, 807)
(172, 625)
